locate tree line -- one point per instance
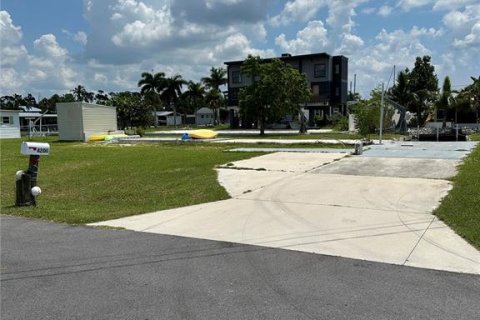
(135, 109)
(419, 92)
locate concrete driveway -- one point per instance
(375, 207)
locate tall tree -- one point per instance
(470, 96)
(400, 92)
(172, 91)
(29, 101)
(195, 95)
(216, 79)
(367, 114)
(151, 85)
(276, 90)
(132, 111)
(215, 101)
(101, 97)
(81, 94)
(445, 99)
(423, 84)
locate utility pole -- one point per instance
(382, 102)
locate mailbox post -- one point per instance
(26, 182)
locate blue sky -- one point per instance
(50, 46)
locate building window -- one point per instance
(320, 70)
(236, 77)
(7, 120)
(337, 69)
(316, 90)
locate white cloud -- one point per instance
(11, 81)
(452, 4)
(143, 26)
(374, 63)
(456, 20)
(80, 36)
(128, 37)
(385, 11)
(50, 65)
(411, 4)
(47, 46)
(368, 10)
(464, 25)
(12, 51)
(341, 13)
(350, 44)
(471, 39)
(236, 47)
(314, 38)
(298, 10)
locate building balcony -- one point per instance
(319, 100)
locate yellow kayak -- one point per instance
(105, 137)
(202, 134)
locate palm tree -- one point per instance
(152, 85)
(473, 94)
(215, 100)
(400, 93)
(217, 78)
(81, 94)
(195, 93)
(172, 89)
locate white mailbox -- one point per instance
(35, 148)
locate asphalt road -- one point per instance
(56, 271)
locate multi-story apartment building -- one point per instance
(327, 76)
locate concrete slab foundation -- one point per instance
(363, 207)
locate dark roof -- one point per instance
(285, 57)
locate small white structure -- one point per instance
(37, 123)
(10, 124)
(204, 116)
(80, 120)
(166, 118)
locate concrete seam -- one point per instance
(419, 239)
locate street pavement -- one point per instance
(58, 271)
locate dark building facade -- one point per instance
(326, 74)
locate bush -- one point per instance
(339, 122)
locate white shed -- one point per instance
(204, 116)
(10, 124)
(80, 120)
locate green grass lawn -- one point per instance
(84, 183)
(311, 136)
(460, 209)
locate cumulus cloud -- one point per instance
(79, 37)
(452, 4)
(236, 47)
(313, 38)
(411, 4)
(12, 51)
(464, 24)
(127, 37)
(142, 24)
(385, 11)
(298, 10)
(373, 64)
(50, 64)
(471, 39)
